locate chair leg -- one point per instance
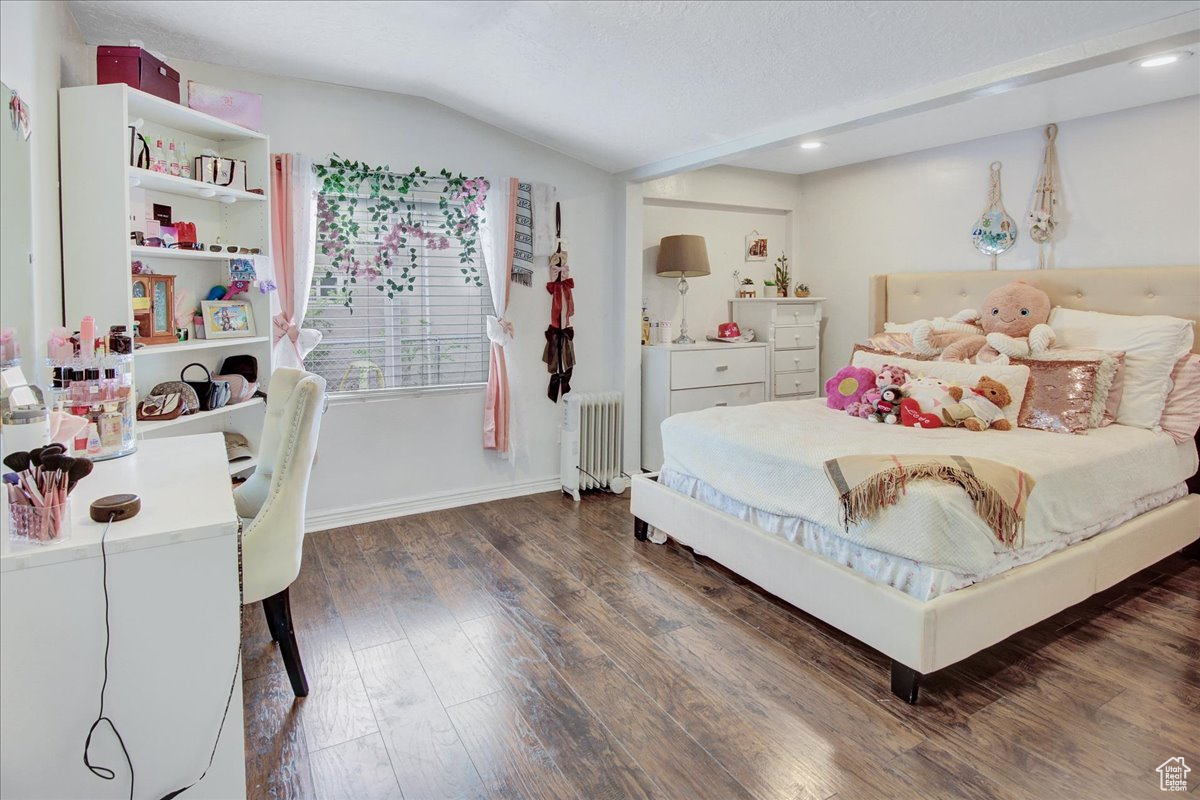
(272, 622)
(279, 608)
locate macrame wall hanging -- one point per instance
(1042, 216)
(995, 231)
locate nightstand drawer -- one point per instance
(708, 367)
(795, 314)
(796, 360)
(789, 337)
(787, 383)
(684, 400)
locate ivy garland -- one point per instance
(388, 196)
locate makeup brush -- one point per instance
(17, 462)
(78, 471)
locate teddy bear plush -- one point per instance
(980, 408)
(1014, 325)
(887, 407)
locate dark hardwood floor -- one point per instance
(529, 648)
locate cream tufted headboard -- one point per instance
(904, 297)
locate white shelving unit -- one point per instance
(102, 195)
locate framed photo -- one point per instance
(227, 319)
(756, 247)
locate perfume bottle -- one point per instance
(94, 446)
(158, 162)
(185, 163)
(173, 159)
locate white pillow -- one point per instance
(1015, 377)
(1153, 345)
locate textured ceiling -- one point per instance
(620, 84)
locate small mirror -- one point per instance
(16, 240)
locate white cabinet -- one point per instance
(791, 326)
(681, 378)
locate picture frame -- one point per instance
(227, 319)
(756, 247)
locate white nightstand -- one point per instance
(678, 378)
(791, 326)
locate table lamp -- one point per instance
(682, 257)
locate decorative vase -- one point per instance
(781, 291)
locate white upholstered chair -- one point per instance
(273, 500)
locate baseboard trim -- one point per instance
(354, 515)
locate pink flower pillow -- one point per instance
(847, 386)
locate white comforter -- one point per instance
(771, 456)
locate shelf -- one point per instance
(140, 251)
(182, 118)
(198, 344)
(247, 465)
(150, 427)
(186, 187)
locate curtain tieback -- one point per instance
(286, 326)
(499, 330)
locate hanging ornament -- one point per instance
(995, 231)
(1042, 219)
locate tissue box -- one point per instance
(231, 105)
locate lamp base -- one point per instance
(683, 338)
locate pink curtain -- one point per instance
(293, 234)
(497, 232)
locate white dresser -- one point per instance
(678, 378)
(791, 328)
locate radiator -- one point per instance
(591, 437)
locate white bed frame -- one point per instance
(921, 637)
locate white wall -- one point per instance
(724, 205)
(41, 50)
(1129, 190)
(411, 452)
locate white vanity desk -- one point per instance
(175, 617)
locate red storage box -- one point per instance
(137, 68)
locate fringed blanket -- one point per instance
(867, 483)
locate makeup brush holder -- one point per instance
(39, 524)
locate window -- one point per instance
(399, 292)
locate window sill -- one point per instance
(377, 395)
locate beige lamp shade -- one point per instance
(684, 256)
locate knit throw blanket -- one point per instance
(867, 483)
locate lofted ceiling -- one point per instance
(624, 85)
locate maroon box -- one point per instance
(137, 68)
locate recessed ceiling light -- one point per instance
(811, 145)
(1162, 60)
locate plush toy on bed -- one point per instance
(1014, 325)
(923, 400)
(931, 336)
(980, 408)
(887, 407)
(845, 389)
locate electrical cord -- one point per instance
(107, 773)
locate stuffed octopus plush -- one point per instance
(1013, 320)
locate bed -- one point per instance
(923, 584)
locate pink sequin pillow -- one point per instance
(1060, 395)
(847, 386)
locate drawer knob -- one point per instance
(722, 367)
(718, 405)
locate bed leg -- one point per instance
(906, 682)
(640, 529)
(1192, 550)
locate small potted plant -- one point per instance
(746, 288)
(769, 288)
(802, 290)
(782, 276)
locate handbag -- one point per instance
(242, 373)
(168, 401)
(213, 394)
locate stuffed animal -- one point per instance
(924, 398)
(846, 387)
(887, 407)
(1014, 324)
(980, 408)
(890, 375)
(932, 336)
(236, 288)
